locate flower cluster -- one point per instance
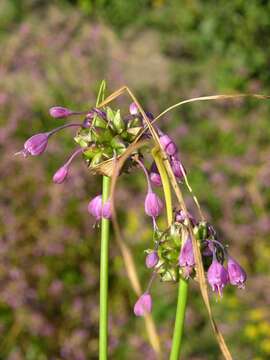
(102, 136)
(173, 257)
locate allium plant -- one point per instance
(113, 142)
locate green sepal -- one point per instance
(134, 123)
(118, 144)
(98, 122)
(83, 137)
(133, 132)
(97, 159)
(118, 122)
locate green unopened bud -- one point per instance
(134, 123)
(175, 234)
(83, 137)
(97, 159)
(118, 144)
(90, 152)
(102, 136)
(170, 274)
(200, 231)
(118, 122)
(99, 123)
(133, 132)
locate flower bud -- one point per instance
(181, 217)
(168, 145)
(151, 259)
(153, 205)
(60, 175)
(237, 274)
(133, 109)
(143, 305)
(36, 144)
(106, 210)
(186, 257)
(155, 177)
(95, 207)
(217, 276)
(176, 168)
(59, 112)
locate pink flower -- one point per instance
(153, 205)
(133, 109)
(217, 276)
(60, 175)
(106, 210)
(186, 257)
(143, 305)
(95, 207)
(151, 259)
(59, 112)
(36, 144)
(237, 274)
(168, 145)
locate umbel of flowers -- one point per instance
(103, 135)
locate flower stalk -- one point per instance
(183, 284)
(104, 266)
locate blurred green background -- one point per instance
(55, 53)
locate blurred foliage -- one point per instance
(56, 53)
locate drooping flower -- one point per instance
(151, 259)
(186, 258)
(95, 207)
(152, 205)
(59, 112)
(177, 167)
(133, 109)
(217, 276)
(61, 174)
(143, 305)
(168, 145)
(36, 144)
(106, 210)
(237, 275)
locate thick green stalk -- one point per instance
(104, 265)
(183, 284)
(179, 319)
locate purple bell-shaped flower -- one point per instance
(237, 275)
(217, 276)
(143, 305)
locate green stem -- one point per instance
(104, 265)
(179, 319)
(183, 284)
